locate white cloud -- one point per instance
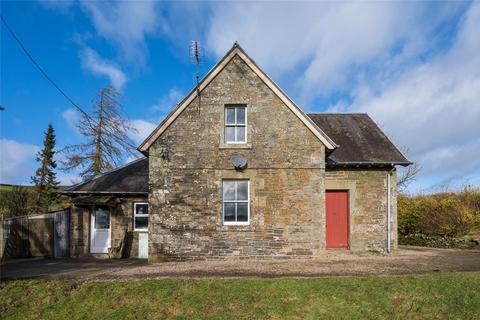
(125, 24)
(71, 117)
(168, 101)
(68, 179)
(327, 45)
(143, 127)
(160, 109)
(14, 161)
(92, 62)
(434, 108)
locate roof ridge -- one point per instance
(104, 174)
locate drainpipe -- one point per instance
(389, 228)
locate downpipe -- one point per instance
(389, 204)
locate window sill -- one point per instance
(236, 224)
(140, 230)
(235, 146)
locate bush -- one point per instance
(447, 215)
(20, 200)
(15, 202)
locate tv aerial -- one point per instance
(197, 54)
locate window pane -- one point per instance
(242, 211)
(230, 115)
(240, 115)
(229, 211)
(141, 208)
(228, 190)
(242, 190)
(102, 218)
(141, 222)
(240, 134)
(229, 133)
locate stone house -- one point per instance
(237, 169)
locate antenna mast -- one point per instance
(196, 56)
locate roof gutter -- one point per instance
(366, 164)
(101, 192)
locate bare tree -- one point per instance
(107, 136)
(408, 176)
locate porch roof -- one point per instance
(131, 178)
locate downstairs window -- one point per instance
(140, 216)
(236, 202)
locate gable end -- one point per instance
(236, 50)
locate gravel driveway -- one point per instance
(406, 260)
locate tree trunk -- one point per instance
(97, 164)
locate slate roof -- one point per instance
(131, 178)
(360, 141)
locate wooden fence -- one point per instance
(43, 235)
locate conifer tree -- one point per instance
(45, 179)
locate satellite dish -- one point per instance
(239, 162)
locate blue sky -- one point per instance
(413, 66)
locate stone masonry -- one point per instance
(121, 225)
(286, 170)
(368, 206)
(287, 175)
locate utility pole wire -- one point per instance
(44, 73)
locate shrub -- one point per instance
(19, 201)
(15, 202)
(443, 214)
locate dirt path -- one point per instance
(407, 260)
(52, 268)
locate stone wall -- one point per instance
(79, 231)
(121, 229)
(367, 206)
(285, 168)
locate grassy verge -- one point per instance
(452, 295)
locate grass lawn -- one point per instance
(448, 295)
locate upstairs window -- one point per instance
(236, 202)
(236, 124)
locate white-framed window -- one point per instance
(236, 124)
(236, 202)
(140, 216)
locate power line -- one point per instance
(44, 73)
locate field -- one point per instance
(432, 296)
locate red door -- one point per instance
(337, 219)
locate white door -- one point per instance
(100, 230)
(143, 245)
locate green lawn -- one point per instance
(448, 295)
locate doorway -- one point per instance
(100, 235)
(337, 219)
